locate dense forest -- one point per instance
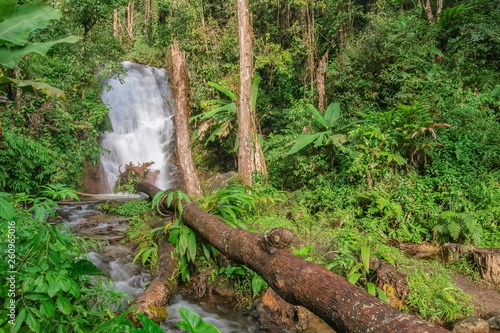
(379, 122)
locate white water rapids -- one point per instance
(141, 116)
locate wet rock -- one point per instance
(221, 180)
(274, 312)
(224, 288)
(494, 323)
(472, 325)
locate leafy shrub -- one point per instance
(54, 289)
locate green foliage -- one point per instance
(328, 122)
(178, 195)
(461, 227)
(186, 245)
(220, 117)
(129, 208)
(244, 278)
(54, 290)
(359, 274)
(192, 322)
(17, 22)
(436, 297)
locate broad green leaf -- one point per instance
(25, 19)
(113, 323)
(85, 267)
(225, 91)
(7, 211)
(149, 325)
(6, 7)
(19, 320)
(191, 250)
(332, 113)
(302, 141)
(11, 57)
(64, 305)
(254, 91)
(33, 324)
(365, 258)
(145, 255)
(46, 89)
(47, 308)
(382, 295)
(353, 278)
(54, 287)
(370, 287)
(194, 323)
(321, 138)
(319, 118)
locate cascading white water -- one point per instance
(141, 116)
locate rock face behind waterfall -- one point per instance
(141, 116)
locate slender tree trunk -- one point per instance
(428, 11)
(342, 305)
(439, 7)
(181, 94)
(244, 109)
(115, 23)
(320, 81)
(130, 20)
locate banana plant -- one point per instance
(222, 119)
(327, 122)
(17, 22)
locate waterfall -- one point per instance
(141, 116)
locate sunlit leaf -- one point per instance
(225, 91)
(332, 114)
(10, 57)
(302, 141)
(319, 118)
(192, 322)
(6, 7)
(25, 19)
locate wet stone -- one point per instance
(471, 325)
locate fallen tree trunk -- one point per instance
(152, 301)
(342, 305)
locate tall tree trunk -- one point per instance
(116, 24)
(243, 110)
(342, 305)
(181, 94)
(130, 20)
(428, 11)
(320, 81)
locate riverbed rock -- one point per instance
(471, 325)
(494, 323)
(274, 312)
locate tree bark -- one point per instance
(342, 305)
(244, 108)
(181, 94)
(320, 81)
(152, 301)
(428, 11)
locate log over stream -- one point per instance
(342, 305)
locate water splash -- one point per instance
(141, 116)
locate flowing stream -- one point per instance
(116, 260)
(141, 116)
